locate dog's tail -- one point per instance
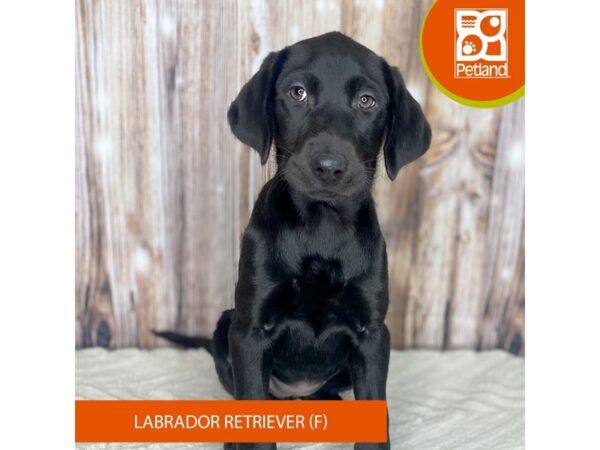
(186, 341)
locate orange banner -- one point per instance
(230, 421)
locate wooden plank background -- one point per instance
(164, 190)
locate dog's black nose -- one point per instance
(328, 167)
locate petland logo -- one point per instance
(481, 43)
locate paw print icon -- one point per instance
(469, 47)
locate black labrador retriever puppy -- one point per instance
(312, 292)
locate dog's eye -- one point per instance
(298, 93)
(366, 102)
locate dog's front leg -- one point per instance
(369, 361)
(251, 363)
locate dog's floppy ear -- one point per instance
(251, 116)
(408, 133)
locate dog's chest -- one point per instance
(317, 301)
(300, 248)
(321, 266)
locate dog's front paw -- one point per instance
(372, 446)
(249, 446)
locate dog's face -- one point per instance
(330, 104)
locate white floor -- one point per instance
(458, 400)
